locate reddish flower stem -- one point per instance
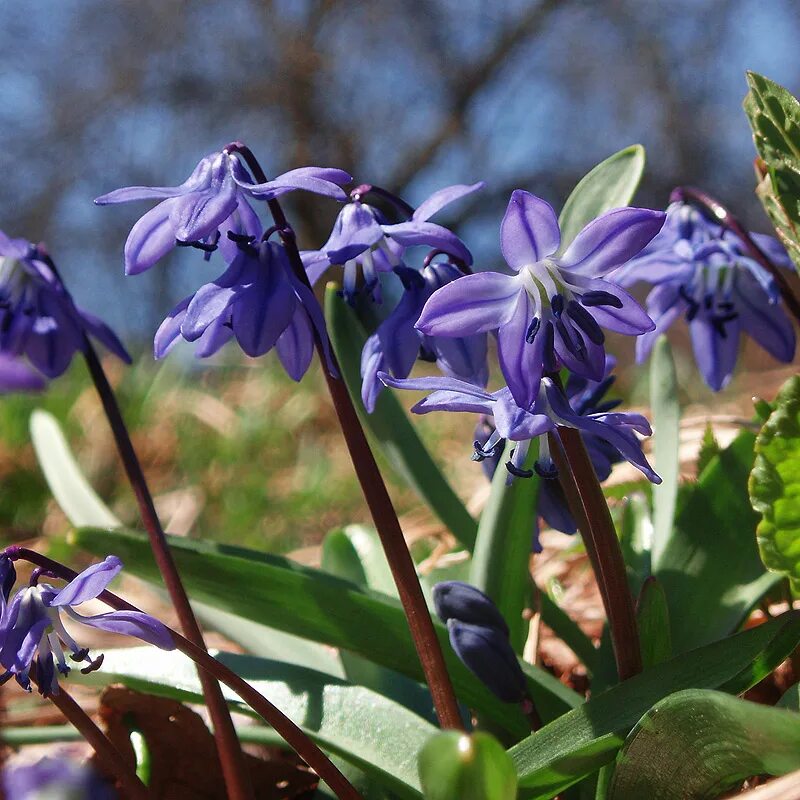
(722, 215)
(376, 495)
(234, 768)
(271, 714)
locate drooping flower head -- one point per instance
(362, 237)
(32, 631)
(396, 344)
(38, 318)
(704, 273)
(213, 200)
(549, 410)
(552, 310)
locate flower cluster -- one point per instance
(32, 633)
(703, 272)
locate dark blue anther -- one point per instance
(586, 322)
(480, 453)
(533, 329)
(557, 304)
(516, 471)
(549, 356)
(546, 469)
(600, 298)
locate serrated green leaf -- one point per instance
(580, 742)
(697, 744)
(458, 766)
(349, 721)
(73, 493)
(611, 184)
(391, 429)
(775, 485)
(312, 604)
(501, 560)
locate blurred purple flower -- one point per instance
(31, 630)
(213, 200)
(550, 312)
(362, 237)
(39, 319)
(703, 272)
(396, 344)
(16, 376)
(55, 779)
(550, 409)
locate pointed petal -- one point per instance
(398, 338)
(612, 239)
(529, 231)
(371, 365)
(448, 394)
(318, 180)
(103, 333)
(438, 200)
(15, 376)
(461, 357)
(715, 354)
(664, 305)
(630, 318)
(150, 239)
(130, 623)
(89, 583)
(428, 234)
(132, 193)
(316, 264)
(656, 267)
(215, 336)
(766, 322)
(170, 329)
(521, 361)
(199, 214)
(211, 301)
(469, 305)
(354, 231)
(295, 346)
(552, 507)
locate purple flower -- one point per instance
(479, 636)
(549, 410)
(551, 311)
(213, 200)
(362, 237)
(396, 344)
(55, 778)
(259, 302)
(702, 272)
(31, 629)
(15, 376)
(38, 318)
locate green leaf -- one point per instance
(666, 440)
(501, 559)
(711, 561)
(349, 721)
(72, 491)
(611, 184)
(636, 540)
(457, 766)
(391, 429)
(367, 544)
(775, 485)
(698, 743)
(652, 614)
(709, 447)
(312, 604)
(790, 699)
(774, 115)
(580, 742)
(340, 558)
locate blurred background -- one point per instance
(409, 94)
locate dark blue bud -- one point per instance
(465, 603)
(487, 653)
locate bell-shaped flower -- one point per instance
(362, 237)
(552, 310)
(549, 410)
(39, 319)
(396, 344)
(259, 302)
(213, 200)
(704, 273)
(32, 631)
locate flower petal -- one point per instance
(169, 331)
(448, 394)
(398, 338)
(150, 239)
(89, 583)
(438, 200)
(521, 361)
(316, 263)
(356, 229)
(664, 305)
(371, 365)
(715, 354)
(213, 299)
(326, 181)
(428, 234)
(200, 176)
(130, 623)
(630, 318)
(529, 231)
(766, 322)
(295, 346)
(612, 239)
(15, 376)
(103, 333)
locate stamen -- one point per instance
(586, 322)
(557, 303)
(93, 665)
(549, 356)
(567, 339)
(600, 298)
(240, 238)
(206, 247)
(80, 655)
(546, 469)
(517, 472)
(533, 329)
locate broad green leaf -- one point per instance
(697, 744)
(666, 440)
(349, 721)
(501, 559)
(390, 427)
(340, 558)
(652, 614)
(611, 184)
(367, 544)
(711, 561)
(775, 485)
(790, 699)
(580, 742)
(458, 766)
(72, 491)
(312, 604)
(774, 115)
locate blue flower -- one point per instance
(16, 376)
(703, 273)
(362, 237)
(38, 318)
(396, 344)
(54, 778)
(551, 311)
(213, 200)
(549, 410)
(31, 629)
(259, 302)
